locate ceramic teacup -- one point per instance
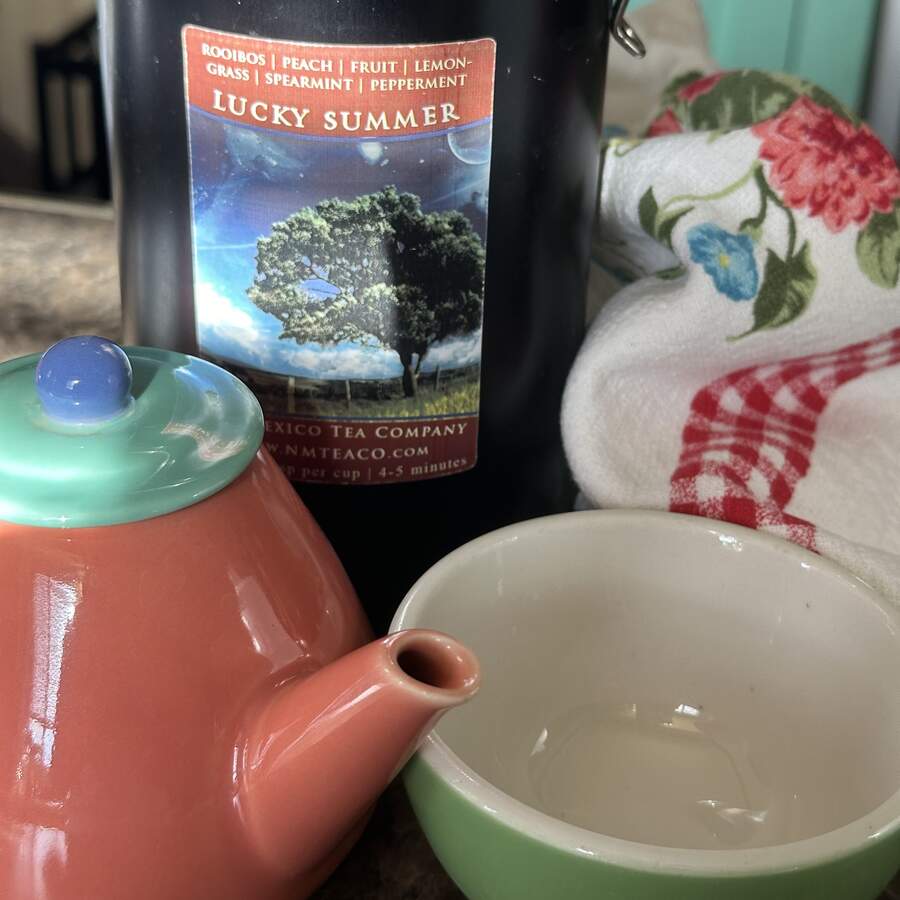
(671, 708)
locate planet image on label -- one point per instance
(371, 151)
(261, 154)
(471, 145)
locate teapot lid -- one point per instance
(91, 434)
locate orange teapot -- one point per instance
(187, 709)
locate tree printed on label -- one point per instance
(397, 277)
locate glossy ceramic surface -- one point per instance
(673, 707)
(190, 429)
(167, 728)
(84, 379)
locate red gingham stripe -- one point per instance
(750, 435)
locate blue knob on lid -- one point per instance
(84, 379)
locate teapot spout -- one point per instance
(319, 752)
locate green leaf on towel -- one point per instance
(671, 273)
(647, 210)
(787, 288)
(878, 248)
(659, 223)
(670, 94)
(666, 224)
(741, 99)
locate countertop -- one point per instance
(58, 277)
(58, 273)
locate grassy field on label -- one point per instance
(456, 400)
(441, 392)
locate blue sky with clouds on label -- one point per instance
(245, 179)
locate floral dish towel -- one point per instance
(749, 368)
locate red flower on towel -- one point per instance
(699, 87)
(664, 123)
(822, 163)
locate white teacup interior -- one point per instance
(676, 685)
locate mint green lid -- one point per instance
(184, 431)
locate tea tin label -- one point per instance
(339, 203)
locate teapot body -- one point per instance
(128, 656)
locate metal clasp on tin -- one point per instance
(623, 32)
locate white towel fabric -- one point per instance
(750, 373)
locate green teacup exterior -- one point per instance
(489, 860)
(790, 657)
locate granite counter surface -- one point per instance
(58, 277)
(58, 274)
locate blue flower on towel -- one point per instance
(727, 258)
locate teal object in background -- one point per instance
(191, 430)
(824, 41)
